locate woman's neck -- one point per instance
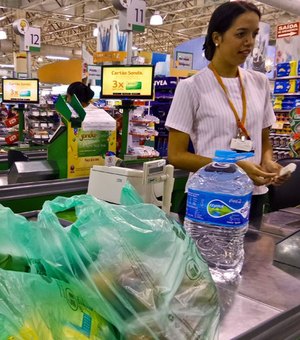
(225, 70)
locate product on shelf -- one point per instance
(41, 121)
(9, 125)
(284, 135)
(141, 130)
(294, 143)
(286, 102)
(164, 92)
(287, 69)
(287, 85)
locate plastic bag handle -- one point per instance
(59, 204)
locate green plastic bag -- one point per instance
(118, 272)
(145, 265)
(40, 298)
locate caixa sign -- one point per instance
(165, 82)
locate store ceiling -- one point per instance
(67, 24)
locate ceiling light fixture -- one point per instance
(55, 57)
(156, 19)
(3, 34)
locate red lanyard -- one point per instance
(240, 123)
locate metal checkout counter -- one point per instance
(266, 302)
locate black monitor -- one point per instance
(20, 91)
(127, 82)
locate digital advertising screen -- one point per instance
(127, 82)
(20, 91)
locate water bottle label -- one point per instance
(218, 209)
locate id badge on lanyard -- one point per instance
(241, 144)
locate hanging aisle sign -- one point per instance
(94, 71)
(136, 14)
(287, 42)
(132, 14)
(32, 39)
(288, 30)
(102, 57)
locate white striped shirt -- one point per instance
(200, 109)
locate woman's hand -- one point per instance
(271, 166)
(258, 174)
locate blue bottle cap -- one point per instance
(230, 156)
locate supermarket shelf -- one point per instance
(279, 134)
(281, 149)
(288, 77)
(287, 94)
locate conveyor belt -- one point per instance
(31, 155)
(35, 189)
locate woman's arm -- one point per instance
(267, 159)
(178, 154)
(267, 152)
(181, 158)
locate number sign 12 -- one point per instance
(32, 39)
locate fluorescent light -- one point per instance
(95, 32)
(7, 66)
(55, 57)
(3, 35)
(156, 19)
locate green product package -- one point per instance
(119, 271)
(92, 143)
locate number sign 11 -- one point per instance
(136, 14)
(32, 39)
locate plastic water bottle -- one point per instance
(217, 213)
